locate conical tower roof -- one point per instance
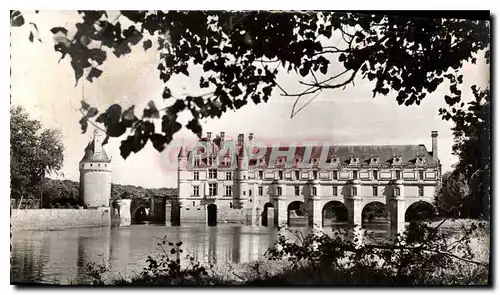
(94, 152)
(91, 156)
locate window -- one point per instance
(196, 162)
(230, 204)
(279, 191)
(250, 192)
(260, 191)
(212, 174)
(229, 190)
(297, 175)
(335, 174)
(420, 191)
(335, 191)
(297, 190)
(420, 174)
(244, 193)
(194, 203)
(354, 174)
(212, 189)
(225, 161)
(196, 190)
(209, 161)
(280, 175)
(261, 174)
(315, 174)
(229, 175)
(397, 191)
(398, 174)
(196, 175)
(354, 191)
(375, 191)
(375, 174)
(314, 191)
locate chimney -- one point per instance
(241, 138)
(250, 136)
(222, 133)
(434, 135)
(209, 135)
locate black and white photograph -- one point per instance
(250, 148)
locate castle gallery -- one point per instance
(224, 180)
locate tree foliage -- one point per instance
(34, 153)
(472, 132)
(67, 191)
(242, 53)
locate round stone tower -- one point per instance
(95, 173)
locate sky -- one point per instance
(46, 89)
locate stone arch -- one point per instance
(419, 210)
(268, 214)
(375, 211)
(140, 211)
(212, 215)
(334, 211)
(141, 214)
(297, 214)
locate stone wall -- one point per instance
(55, 219)
(198, 215)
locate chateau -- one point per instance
(223, 180)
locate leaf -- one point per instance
(151, 111)
(85, 105)
(94, 73)
(111, 116)
(116, 129)
(194, 125)
(92, 112)
(166, 93)
(128, 117)
(147, 44)
(84, 124)
(59, 30)
(16, 18)
(158, 141)
(126, 147)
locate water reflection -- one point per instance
(62, 256)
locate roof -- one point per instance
(384, 153)
(91, 156)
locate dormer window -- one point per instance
(397, 160)
(374, 160)
(420, 160)
(354, 160)
(335, 160)
(314, 161)
(196, 162)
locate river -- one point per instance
(62, 256)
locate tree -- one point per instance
(34, 153)
(241, 55)
(472, 132)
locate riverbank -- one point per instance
(285, 272)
